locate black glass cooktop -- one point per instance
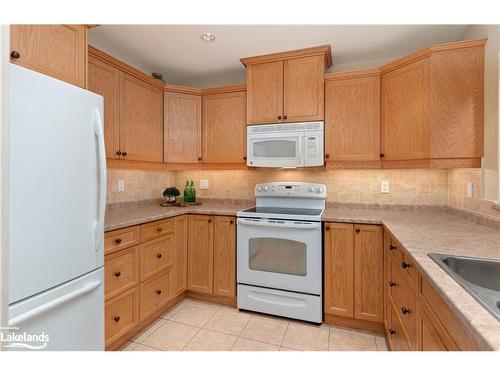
(284, 211)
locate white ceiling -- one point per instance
(184, 59)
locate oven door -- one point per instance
(281, 254)
(275, 149)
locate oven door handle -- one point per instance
(290, 225)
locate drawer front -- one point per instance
(155, 292)
(156, 256)
(120, 239)
(121, 271)
(404, 301)
(156, 229)
(121, 315)
(396, 335)
(409, 269)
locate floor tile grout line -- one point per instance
(152, 324)
(191, 339)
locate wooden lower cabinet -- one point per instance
(156, 256)
(121, 315)
(121, 271)
(225, 256)
(200, 253)
(180, 254)
(155, 292)
(428, 336)
(354, 273)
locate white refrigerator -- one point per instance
(57, 198)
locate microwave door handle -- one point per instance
(302, 143)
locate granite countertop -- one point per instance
(424, 231)
(420, 231)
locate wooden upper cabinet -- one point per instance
(432, 103)
(59, 51)
(286, 86)
(225, 256)
(352, 117)
(224, 128)
(303, 89)
(183, 128)
(104, 79)
(405, 100)
(141, 120)
(339, 269)
(200, 253)
(368, 273)
(265, 93)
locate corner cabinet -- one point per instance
(286, 87)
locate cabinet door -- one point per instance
(265, 93)
(225, 256)
(352, 119)
(405, 110)
(303, 89)
(103, 79)
(339, 269)
(368, 273)
(428, 336)
(141, 125)
(180, 254)
(182, 138)
(224, 128)
(200, 253)
(59, 51)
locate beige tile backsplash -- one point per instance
(416, 186)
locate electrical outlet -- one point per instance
(121, 185)
(384, 187)
(203, 184)
(470, 189)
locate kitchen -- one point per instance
(287, 199)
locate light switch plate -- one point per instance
(470, 189)
(384, 187)
(121, 185)
(203, 184)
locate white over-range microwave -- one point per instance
(285, 145)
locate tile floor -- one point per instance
(194, 325)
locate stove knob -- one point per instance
(319, 189)
(259, 188)
(266, 188)
(311, 189)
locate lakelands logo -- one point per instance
(9, 338)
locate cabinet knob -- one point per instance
(327, 156)
(405, 311)
(327, 227)
(159, 229)
(116, 318)
(118, 153)
(382, 155)
(392, 247)
(118, 240)
(404, 265)
(124, 153)
(117, 273)
(279, 117)
(209, 220)
(285, 117)
(358, 230)
(199, 158)
(244, 158)
(15, 55)
(392, 332)
(231, 221)
(158, 291)
(392, 283)
(158, 255)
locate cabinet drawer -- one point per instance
(120, 239)
(121, 271)
(404, 301)
(156, 229)
(156, 255)
(155, 292)
(121, 315)
(408, 268)
(396, 335)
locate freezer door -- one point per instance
(57, 182)
(68, 317)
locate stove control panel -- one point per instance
(290, 189)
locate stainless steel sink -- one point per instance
(480, 277)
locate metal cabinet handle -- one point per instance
(327, 156)
(15, 55)
(358, 230)
(116, 318)
(382, 154)
(392, 247)
(159, 229)
(117, 273)
(158, 255)
(118, 240)
(392, 332)
(231, 221)
(279, 117)
(392, 283)
(158, 291)
(118, 153)
(405, 311)
(285, 117)
(404, 265)
(124, 153)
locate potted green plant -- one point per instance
(171, 194)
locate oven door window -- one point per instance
(275, 148)
(278, 255)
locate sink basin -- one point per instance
(479, 277)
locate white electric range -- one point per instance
(279, 251)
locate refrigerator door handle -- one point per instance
(101, 165)
(16, 322)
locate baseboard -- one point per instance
(363, 325)
(229, 301)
